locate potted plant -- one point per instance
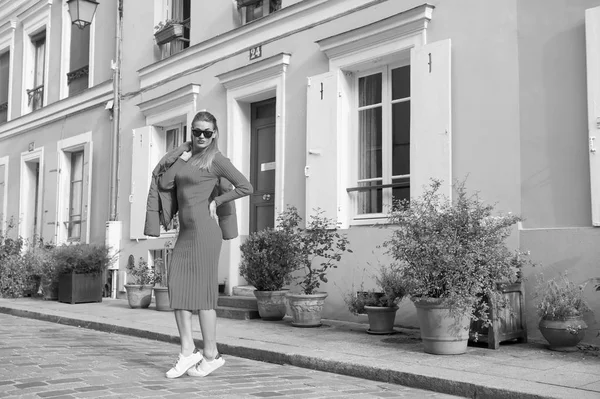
(561, 307)
(139, 291)
(317, 247)
(381, 305)
(81, 268)
(450, 253)
(268, 258)
(161, 283)
(167, 31)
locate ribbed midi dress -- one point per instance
(193, 272)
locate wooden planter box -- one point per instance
(79, 288)
(169, 34)
(507, 323)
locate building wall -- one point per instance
(60, 119)
(555, 172)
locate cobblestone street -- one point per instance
(47, 360)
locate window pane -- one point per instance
(77, 165)
(401, 193)
(369, 142)
(369, 90)
(254, 11)
(401, 82)
(401, 138)
(40, 52)
(370, 201)
(76, 191)
(172, 139)
(4, 74)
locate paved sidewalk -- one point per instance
(513, 371)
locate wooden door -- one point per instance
(262, 165)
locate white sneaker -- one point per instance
(184, 363)
(205, 367)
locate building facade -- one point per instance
(330, 104)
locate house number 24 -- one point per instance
(255, 52)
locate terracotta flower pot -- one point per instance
(563, 334)
(272, 305)
(139, 296)
(306, 309)
(441, 332)
(381, 319)
(161, 299)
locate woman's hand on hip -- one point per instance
(212, 210)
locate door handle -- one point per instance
(266, 197)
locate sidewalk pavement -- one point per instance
(513, 371)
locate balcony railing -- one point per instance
(78, 80)
(35, 97)
(3, 112)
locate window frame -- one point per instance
(4, 161)
(386, 140)
(65, 63)
(72, 180)
(35, 20)
(65, 148)
(7, 44)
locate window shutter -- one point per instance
(321, 145)
(51, 187)
(592, 37)
(431, 123)
(87, 192)
(141, 174)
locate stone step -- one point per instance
(240, 302)
(244, 290)
(237, 313)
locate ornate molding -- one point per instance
(260, 70)
(78, 73)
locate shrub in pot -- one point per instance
(140, 280)
(380, 305)
(44, 268)
(561, 306)
(268, 258)
(450, 253)
(318, 247)
(81, 271)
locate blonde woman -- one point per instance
(193, 280)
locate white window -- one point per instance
(35, 94)
(178, 11)
(382, 139)
(3, 194)
(74, 188)
(31, 194)
(379, 123)
(167, 118)
(252, 10)
(4, 85)
(592, 39)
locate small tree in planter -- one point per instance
(81, 268)
(268, 258)
(450, 253)
(319, 246)
(139, 291)
(561, 306)
(381, 305)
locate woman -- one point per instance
(193, 280)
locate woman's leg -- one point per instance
(184, 325)
(208, 326)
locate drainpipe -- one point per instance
(113, 225)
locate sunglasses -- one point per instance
(207, 133)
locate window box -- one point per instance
(167, 32)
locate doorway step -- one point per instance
(240, 306)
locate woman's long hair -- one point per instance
(204, 159)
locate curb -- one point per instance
(407, 379)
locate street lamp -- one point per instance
(82, 12)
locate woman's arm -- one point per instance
(222, 166)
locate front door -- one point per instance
(262, 165)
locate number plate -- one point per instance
(255, 52)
